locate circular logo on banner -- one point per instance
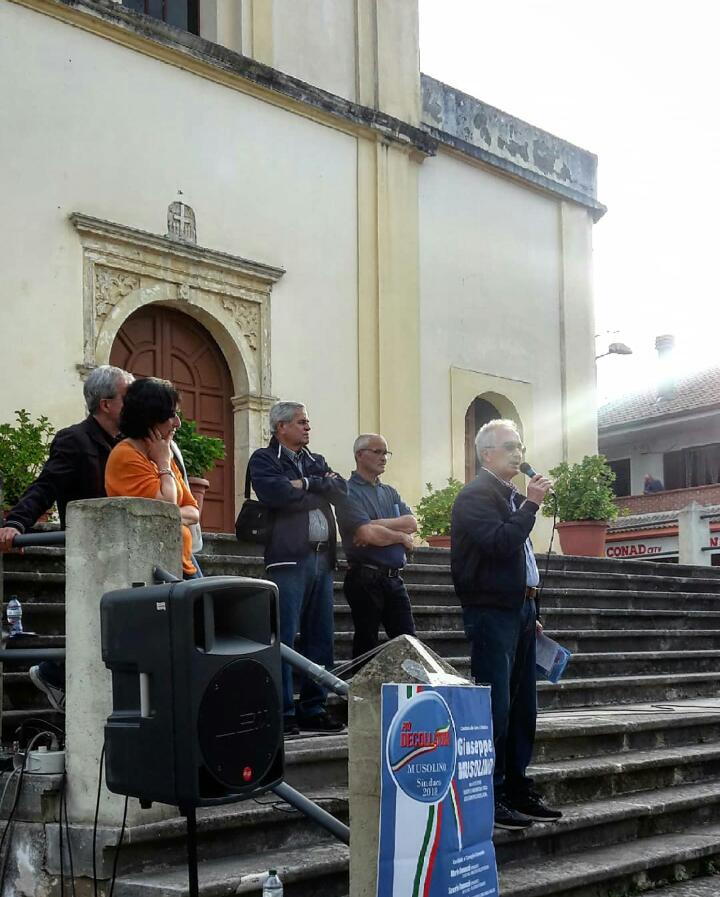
(421, 749)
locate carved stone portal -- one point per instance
(110, 286)
(126, 269)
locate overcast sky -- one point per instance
(636, 83)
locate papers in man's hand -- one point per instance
(550, 657)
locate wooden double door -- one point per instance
(160, 342)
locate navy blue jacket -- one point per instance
(487, 544)
(270, 472)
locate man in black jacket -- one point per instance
(299, 488)
(74, 470)
(496, 580)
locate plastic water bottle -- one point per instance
(14, 616)
(272, 886)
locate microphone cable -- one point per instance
(550, 548)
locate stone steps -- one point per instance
(452, 643)
(708, 886)
(429, 618)
(321, 869)
(628, 743)
(621, 819)
(630, 868)
(608, 805)
(636, 663)
(627, 689)
(607, 802)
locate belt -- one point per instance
(390, 572)
(530, 592)
(319, 546)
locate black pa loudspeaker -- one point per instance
(197, 690)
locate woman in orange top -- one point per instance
(142, 464)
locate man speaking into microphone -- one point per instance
(496, 579)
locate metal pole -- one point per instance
(314, 671)
(189, 813)
(25, 654)
(310, 809)
(33, 540)
(160, 574)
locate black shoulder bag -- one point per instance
(254, 522)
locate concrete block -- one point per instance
(364, 750)
(111, 543)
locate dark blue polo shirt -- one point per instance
(366, 502)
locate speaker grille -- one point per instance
(240, 724)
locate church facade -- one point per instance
(265, 199)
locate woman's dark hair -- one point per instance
(147, 402)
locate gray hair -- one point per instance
(283, 413)
(485, 438)
(102, 383)
(363, 441)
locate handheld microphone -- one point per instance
(528, 470)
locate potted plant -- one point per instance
(433, 513)
(583, 498)
(199, 454)
(23, 451)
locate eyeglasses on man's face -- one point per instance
(379, 452)
(512, 447)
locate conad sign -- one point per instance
(664, 546)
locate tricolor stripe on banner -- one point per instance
(428, 851)
(456, 811)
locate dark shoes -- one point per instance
(510, 819)
(522, 812)
(290, 726)
(54, 694)
(535, 808)
(320, 722)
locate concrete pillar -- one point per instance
(110, 544)
(364, 749)
(693, 536)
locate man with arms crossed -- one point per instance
(74, 470)
(299, 488)
(496, 580)
(376, 528)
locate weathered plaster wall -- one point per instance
(490, 279)
(314, 40)
(498, 311)
(125, 132)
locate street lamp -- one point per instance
(616, 349)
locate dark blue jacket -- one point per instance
(270, 472)
(487, 544)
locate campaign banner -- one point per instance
(436, 792)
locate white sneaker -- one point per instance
(55, 695)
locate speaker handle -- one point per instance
(145, 696)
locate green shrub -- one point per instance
(583, 491)
(199, 452)
(433, 510)
(23, 451)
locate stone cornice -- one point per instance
(188, 51)
(97, 227)
(471, 128)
